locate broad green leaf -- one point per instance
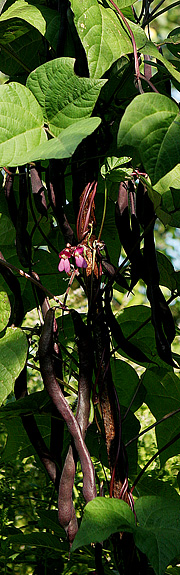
(147, 485)
(151, 50)
(171, 179)
(49, 520)
(7, 231)
(12, 30)
(172, 570)
(166, 271)
(18, 444)
(66, 143)
(101, 518)
(41, 540)
(5, 310)
(168, 187)
(13, 353)
(22, 49)
(151, 125)
(163, 397)
(130, 428)
(34, 402)
(27, 12)
(109, 234)
(21, 124)
(158, 532)
(136, 319)
(64, 97)
(123, 372)
(124, 3)
(3, 78)
(43, 18)
(173, 41)
(103, 35)
(114, 169)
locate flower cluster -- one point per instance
(67, 253)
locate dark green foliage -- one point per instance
(90, 170)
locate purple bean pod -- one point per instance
(51, 384)
(67, 516)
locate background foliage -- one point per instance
(89, 92)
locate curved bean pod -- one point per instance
(51, 384)
(38, 190)
(67, 516)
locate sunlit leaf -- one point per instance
(5, 310)
(103, 35)
(64, 97)
(151, 125)
(21, 124)
(13, 352)
(101, 518)
(162, 398)
(27, 12)
(66, 143)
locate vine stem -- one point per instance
(155, 15)
(104, 212)
(33, 281)
(61, 381)
(136, 62)
(153, 458)
(167, 416)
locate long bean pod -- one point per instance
(162, 319)
(65, 504)
(38, 189)
(31, 428)
(51, 384)
(57, 424)
(9, 195)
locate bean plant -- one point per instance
(90, 168)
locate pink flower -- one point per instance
(79, 258)
(64, 264)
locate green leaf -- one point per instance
(124, 3)
(37, 540)
(64, 97)
(21, 124)
(168, 187)
(151, 50)
(151, 125)
(18, 444)
(5, 310)
(66, 143)
(171, 179)
(158, 533)
(149, 486)
(22, 49)
(103, 35)
(130, 428)
(114, 170)
(7, 231)
(49, 520)
(27, 12)
(101, 518)
(166, 271)
(13, 353)
(173, 42)
(123, 372)
(163, 397)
